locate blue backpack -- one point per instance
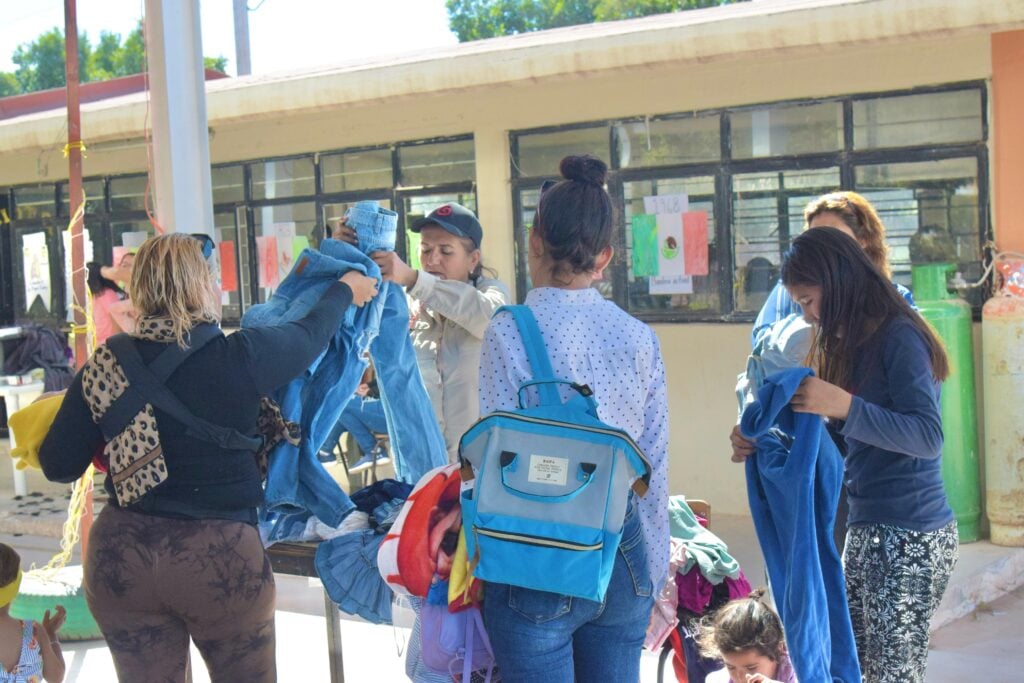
(551, 485)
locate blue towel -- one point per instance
(793, 487)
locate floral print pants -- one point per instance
(895, 579)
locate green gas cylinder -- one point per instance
(951, 318)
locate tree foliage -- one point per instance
(477, 19)
(40, 64)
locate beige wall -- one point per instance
(702, 360)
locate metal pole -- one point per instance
(243, 65)
(181, 144)
(74, 149)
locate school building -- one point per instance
(737, 115)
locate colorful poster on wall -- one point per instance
(695, 242)
(413, 240)
(298, 245)
(644, 230)
(267, 248)
(285, 233)
(672, 277)
(667, 203)
(228, 267)
(36, 261)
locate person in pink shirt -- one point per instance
(112, 312)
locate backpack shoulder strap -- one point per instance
(536, 352)
(147, 387)
(171, 358)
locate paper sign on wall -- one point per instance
(672, 277)
(672, 284)
(228, 267)
(36, 261)
(285, 233)
(695, 242)
(299, 244)
(267, 248)
(134, 239)
(680, 244)
(667, 203)
(645, 245)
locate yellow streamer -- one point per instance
(78, 144)
(72, 529)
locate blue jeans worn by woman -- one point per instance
(541, 637)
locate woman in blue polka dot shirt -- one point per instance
(539, 636)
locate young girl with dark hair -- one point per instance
(746, 636)
(541, 636)
(880, 367)
(29, 650)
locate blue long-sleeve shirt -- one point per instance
(894, 434)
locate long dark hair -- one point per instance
(856, 301)
(96, 282)
(574, 216)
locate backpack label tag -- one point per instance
(545, 469)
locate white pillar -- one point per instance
(181, 149)
(243, 65)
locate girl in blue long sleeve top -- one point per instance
(880, 367)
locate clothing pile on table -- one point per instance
(703, 576)
(346, 558)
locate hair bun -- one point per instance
(585, 169)
(756, 594)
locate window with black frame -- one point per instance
(36, 255)
(767, 213)
(228, 186)
(746, 175)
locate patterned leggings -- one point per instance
(154, 582)
(895, 579)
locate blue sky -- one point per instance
(283, 34)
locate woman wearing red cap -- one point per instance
(451, 303)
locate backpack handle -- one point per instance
(536, 352)
(582, 389)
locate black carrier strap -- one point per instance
(146, 384)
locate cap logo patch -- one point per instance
(443, 211)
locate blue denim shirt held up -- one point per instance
(296, 481)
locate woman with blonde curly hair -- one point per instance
(174, 411)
